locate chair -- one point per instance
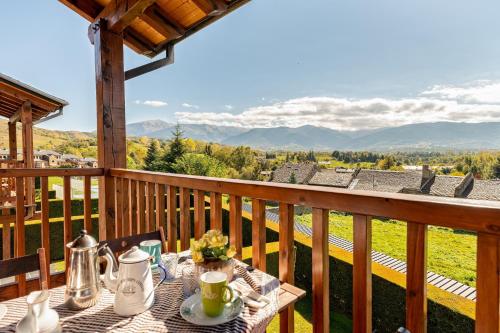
(122, 244)
(21, 265)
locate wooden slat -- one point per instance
(6, 246)
(12, 141)
(416, 278)
(141, 207)
(126, 224)
(121, 13)
(320, 271)
(87, 204)
(160, 206)
(286, 261)
(289, 295)
(235, 224)
(185, 220)
(215, 210)
(150, 207)
(133, 206)
(449, 212)
(488, 288)
(11, 290)
(44, 269)
(199, 213)
(68, 234)
(172, 218)
(362, 274)
(44, 184)
(118, 207)
(19, 232)
(259, 234)
(110, 101)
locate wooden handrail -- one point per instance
(34, 172)
(466, 214)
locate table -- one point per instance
(163, 316)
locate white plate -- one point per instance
(192, 311)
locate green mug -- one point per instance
(215, 293)
(153, 248)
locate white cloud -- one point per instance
(228, 107)
(190, 106)
(473, 103)
(154, 104)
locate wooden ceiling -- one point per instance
(14, 93)
(150, 25)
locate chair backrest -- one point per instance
(122, 244)
(26, 264)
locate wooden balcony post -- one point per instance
(28, 154)
(19, 232)
(362, 274)
(12, 141)
(259, 234)
(132, 202)
(44, 182)
(320, 271)
(68, 225)
(110, 98)
(488, 288)
(416, 278)
(235, 224)
(172, 218)
(87, 204)
(118, 207)
(160, 206)
(150, 207)
(141, 206)
(286, 261)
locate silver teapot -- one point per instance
(83, 287)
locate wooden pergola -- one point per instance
(21, 103)
(148, 27)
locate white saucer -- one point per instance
(192, 311)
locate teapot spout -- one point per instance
(110, 275)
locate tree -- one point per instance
(287, 158)
(242, 157)
(293, 179)
(310, 156)
(386, 163)
(152, 156)
(175, 150)
(208, 150)
(200, 165)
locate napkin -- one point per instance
(251, 296)
(242, 271)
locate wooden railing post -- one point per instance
(160, 206)
(19, 232)
(259, 234)
(132, 199)
(199, 213)
(150, 207)
(320, 271)
(87, 204)
(44, 185)
(235, 224)
(141, 207)
(67, 230)
(416, 278)
(172, 218)
(215, 211)
(362, 274)
(488, 289)
(119, 207)
(110, 101)
(185, 220)
(286, 260)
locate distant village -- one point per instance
(424, 181)
(53, 159)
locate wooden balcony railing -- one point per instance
(142, 197)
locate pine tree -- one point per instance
(293, 179)
(208, 150)
(287, 158)
(175, 151)
(152, 156)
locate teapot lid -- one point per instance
(133, 255)
(83, 241)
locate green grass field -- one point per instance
(451, 253)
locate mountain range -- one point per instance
(430, 136)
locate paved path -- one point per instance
(437, 280)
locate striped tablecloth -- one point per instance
(163, 316)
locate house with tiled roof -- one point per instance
(338, 177)
(300, 172)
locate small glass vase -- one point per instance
(226, 266)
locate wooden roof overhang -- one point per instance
(152, 26)
(13, 94)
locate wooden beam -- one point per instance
(86, 9)
(362, 274)
(211, 7)
(111, 141)
(119, 14)
(161, 21)
(13, 141)
(16, 116)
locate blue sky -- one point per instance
(341, 64)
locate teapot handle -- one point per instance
(161, 281)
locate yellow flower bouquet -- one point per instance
(212, 246)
